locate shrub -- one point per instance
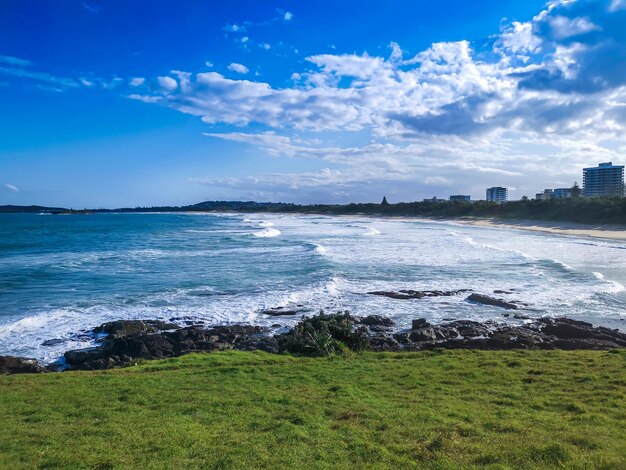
(324, 335)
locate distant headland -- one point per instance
(576, 210)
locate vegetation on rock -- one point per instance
(324, 335)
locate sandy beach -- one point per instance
(613, 232)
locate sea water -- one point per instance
(61, 275)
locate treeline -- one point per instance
(581, 210)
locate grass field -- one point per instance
(449, 409)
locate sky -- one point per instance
(122, 104)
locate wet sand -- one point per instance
(613, 232)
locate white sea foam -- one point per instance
(267, 233)
(371, 231)
(319, 249)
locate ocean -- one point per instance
(61, 275)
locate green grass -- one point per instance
(450, 409)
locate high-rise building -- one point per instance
(605, 179)
(460, 197)
(497, 194)
(562, 193)
(546, 194)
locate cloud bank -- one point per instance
(544, 96)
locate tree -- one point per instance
(575, 190)
(524, 198)
(384, 203)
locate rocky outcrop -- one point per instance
(121, 328)
(128, 341)
(487, 300)
(545, 333)
(416, 294)
(377, 320)
(284, 311)
(20, 365)
(156, 340)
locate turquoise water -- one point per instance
(60, 275)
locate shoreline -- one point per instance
(124, 342)
(609, 232)
(606, 231)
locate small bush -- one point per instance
(324, 335)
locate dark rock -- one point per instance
(487, 300)
(281, 312)
(423, 334)
(77, 356)
(383, 343)
(20, 365)
(402, 338)
(419, 323)
(133, 327)
(377, 320)
(521, 316)
(416, 294)
(52, 342)
(566, 328)
(500, 291)
(468, 328)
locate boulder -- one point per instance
(468, 328)
(383, 343)
(20, 365)
(487, 300)
(377, 320)
(419, 323)
(566, 328)
(78, 356)
(406, 294)
(133, 327)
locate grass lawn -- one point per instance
(449, 409)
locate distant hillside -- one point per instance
(31, 209)
(580, 210)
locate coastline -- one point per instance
(611, 232)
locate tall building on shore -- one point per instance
(460, 197)
(545, 195)
(605, 179)
(497, 194)
(562, 193)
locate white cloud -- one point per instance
(209, 64)
(11, 188)
(59, 83)
(438, 180)
(137, 81)
(167, 83)
(245, 39)
(523, 105)
(239, 68)
(265, 46)
(288, 16)
(16, 61)
(234, 28)
(617, 5)
(91, 8)
(519, 37)
(563, 27)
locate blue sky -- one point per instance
(117, 103)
